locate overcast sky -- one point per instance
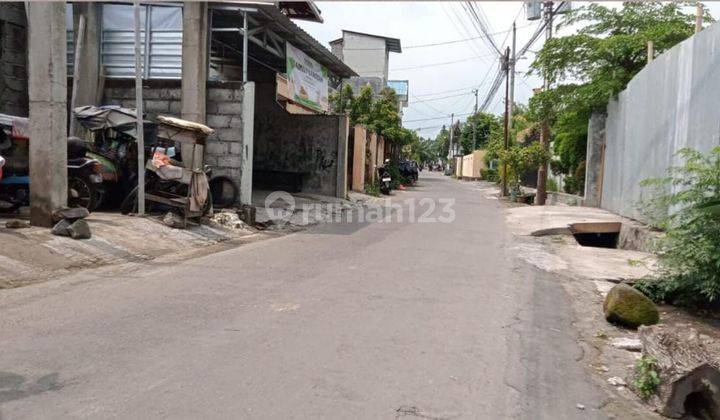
(436, 91)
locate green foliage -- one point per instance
(647, 379)
(521, 159)
(373, 188)
(575, 182)
(490, 175)
(487, 126)
(341, 101)
(592, 65)
(552, 185)
(689, 253)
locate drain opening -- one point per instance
(701, 405)
(597, 235)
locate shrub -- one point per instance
(647, 379)
(490, 175)
(689, 253)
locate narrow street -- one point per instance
(372, 321)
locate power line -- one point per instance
(442, 97)
(437, 118)
(434, 44)
(480, 24)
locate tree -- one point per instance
(596, 63)
(487, 125)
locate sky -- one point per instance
(441, 78)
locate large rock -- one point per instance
(17, 224)
(71, 214)
(627, 306)
(79, 229)
(61, 228)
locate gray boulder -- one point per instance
(79, 229)
(61, 228)
(71, 214)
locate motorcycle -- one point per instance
(385, 179)
(83, 174)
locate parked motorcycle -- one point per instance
(385, 179)
(83, 173)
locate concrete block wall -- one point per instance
(313, 147)
(673, 103)
(224, 149)
(224, 107)
(13, 59)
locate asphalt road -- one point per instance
(346, 320)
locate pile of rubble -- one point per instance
(71, 222)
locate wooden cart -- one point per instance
(187, 133)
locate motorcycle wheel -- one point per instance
(81, 193)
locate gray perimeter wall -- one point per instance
(671, 104)
(312, 148)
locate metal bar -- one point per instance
(76, 71)
(245, 46)
(139, 116)
(148, 35)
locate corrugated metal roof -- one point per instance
(271, 16)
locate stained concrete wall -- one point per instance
(671, 104)
(309, 148)
(595, 157)
(13, 59)
(224, 149)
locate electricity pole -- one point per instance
(512, 80)
(541, 194)
(475, 91)
(506, 139)
(451, 146)
(140, 137)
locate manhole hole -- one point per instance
(597, 235)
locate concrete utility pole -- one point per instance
(47, 93)
(140, 135)
(650, 51)
(194, 73)
(698, 17)
(475, 91)
(451, 149)
(512, 79)
(541, 195)
(506, 126)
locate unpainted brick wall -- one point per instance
(13, 59)
(223, 149)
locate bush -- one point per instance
(552, 185)
(490, 175)
(689, 253)
(647, 379)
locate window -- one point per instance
(117, 42)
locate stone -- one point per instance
(17, 224)
(80, 229)
(71, 214)
(617, 381)
(580, 406)
(61, 228)
(173, 220)
(625, 343)
(627, 306)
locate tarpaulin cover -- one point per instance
(20, 126)
(99, 118)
